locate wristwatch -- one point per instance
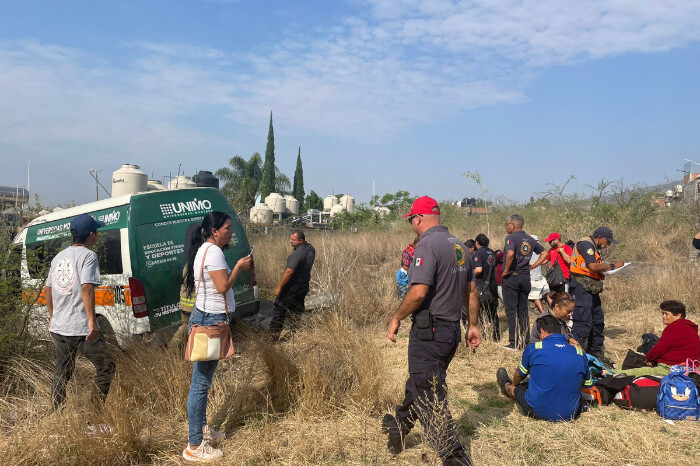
(612, 266)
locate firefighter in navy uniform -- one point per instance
(441, 280)
(587, 275)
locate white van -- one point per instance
(141, 250)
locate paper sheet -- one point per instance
(610, 272)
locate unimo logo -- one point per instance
(175, 209)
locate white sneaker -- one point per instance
(212, 435)
(202, 454)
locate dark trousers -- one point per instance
(488, 306)
(516, 288)
(290, 302)
(97, 352)
(425, 398)
(588, 318)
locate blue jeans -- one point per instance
(202, 375)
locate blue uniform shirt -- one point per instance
(557, 370)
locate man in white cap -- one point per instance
(538, 284)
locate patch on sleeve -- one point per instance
(590, 251)
(418, 262)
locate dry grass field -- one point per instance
(318, 398)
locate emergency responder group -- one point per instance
(451, 281)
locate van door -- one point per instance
(158, 224)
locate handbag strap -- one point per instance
(201, 273)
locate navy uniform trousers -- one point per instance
(588, 319)
(426, 390)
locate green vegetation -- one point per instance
(298, 190)
(267, 183)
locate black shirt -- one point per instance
(301, 260)
(523, 245)
(486, 259)
(696, 243)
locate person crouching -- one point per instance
(557, 370)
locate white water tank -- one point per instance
(336, 209)
(329, 202)
(261, 214)
(276, 202)
(348, 202)
(292, 204)
(155, 185)
(382, 211)
(182, 182)
(128, 180)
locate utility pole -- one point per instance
(95, 174)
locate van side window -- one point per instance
(39, 256)
(109, 252)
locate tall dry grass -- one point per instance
(319, 397)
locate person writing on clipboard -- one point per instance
(587, 275)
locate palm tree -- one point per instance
(242, 181)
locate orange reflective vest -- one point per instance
(578, 264)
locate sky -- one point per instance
(395, 94)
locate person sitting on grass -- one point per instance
(679, 341)
(561, 306)
(557, 371)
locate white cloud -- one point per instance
(399, 64)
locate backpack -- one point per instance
(641, 393)
(678, 397)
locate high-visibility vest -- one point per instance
(186, 304)
(578, 264)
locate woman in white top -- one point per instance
(214, 304)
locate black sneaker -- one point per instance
(502, 378)
(510, 347)
(390, 426)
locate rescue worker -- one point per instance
(586, 284)
(442, 280)
(516, 280)
(485, 273)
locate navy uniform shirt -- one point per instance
(486, 259)
(523, 246)
(301, 260)
(557, 370)
(587, 250)
(442, 262)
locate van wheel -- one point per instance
(107, 331)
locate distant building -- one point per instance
(691, 182)
(13, 196)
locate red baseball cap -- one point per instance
(424, 206)
(552, 236)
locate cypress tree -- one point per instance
(298, 191)
(267, 184)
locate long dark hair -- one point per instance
(195, 238)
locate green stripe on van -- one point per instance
(114, 218)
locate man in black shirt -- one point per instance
(696, 241)
(294, 285)
(516, 279)
(485, 273)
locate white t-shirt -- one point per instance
(70, 269)
(208, 299)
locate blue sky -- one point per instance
(407, 93)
